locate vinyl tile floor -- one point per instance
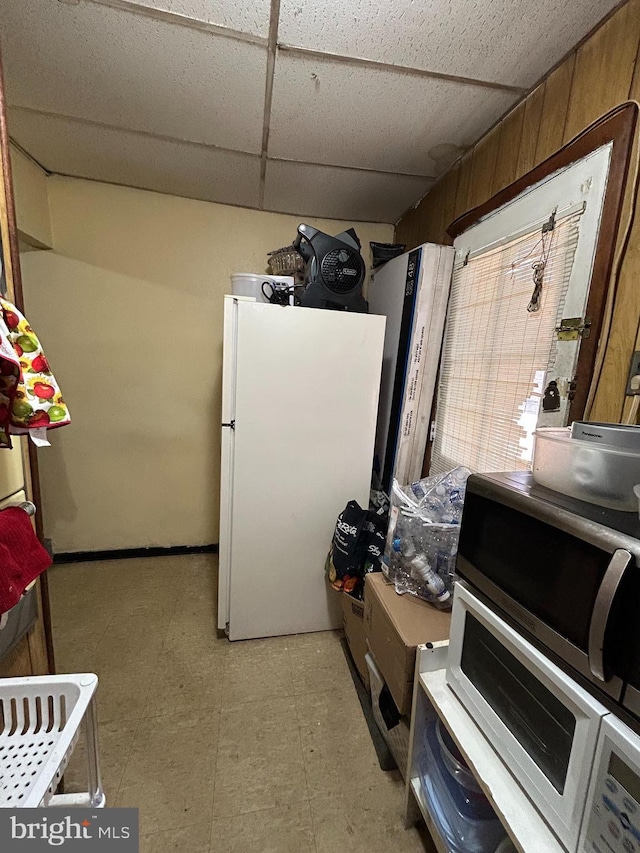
(224, 747)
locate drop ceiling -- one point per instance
(333, 108)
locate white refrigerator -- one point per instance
(299, 403)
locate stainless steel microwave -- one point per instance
(564, 572)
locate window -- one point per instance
(497, 353)
(520, 274)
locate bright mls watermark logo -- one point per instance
(79, 830)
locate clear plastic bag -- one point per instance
(422, 538)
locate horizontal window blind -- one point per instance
(499, 345)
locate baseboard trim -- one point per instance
(132, 553)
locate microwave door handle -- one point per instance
(602, 608)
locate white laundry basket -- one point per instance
(397, 738)
(40, 719)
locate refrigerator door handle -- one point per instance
(227, 441)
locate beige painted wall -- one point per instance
(30, 193)
(129, 310)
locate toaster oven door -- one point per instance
(539, 720)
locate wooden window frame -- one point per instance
(617, 127)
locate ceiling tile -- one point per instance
(508, 41)
(345, 115)
(247, 16)
(310, 190)
(94, 62)
(133, 159)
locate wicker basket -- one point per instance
(286, 261)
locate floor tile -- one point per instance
(170, 772)
(116, 742)
(79, 617)
(155, 599)
(206, 737)
(75, 648)
(286, 829)
(201, 575)
(136, 600)
(364, 819)
(257, 670)
(336, 743)
(124, 695)
(195, 632)
(109, 585)
(260, 762)
(186, 679)
(315, 639)
(319, 664)
(123, 690)
(189, 839)
(194, 623)
(266, 644)
(125, 661)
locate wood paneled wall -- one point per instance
(602, 73)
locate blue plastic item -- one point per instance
(465, 789)
(465, 819)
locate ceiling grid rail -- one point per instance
(221, 101)
(272, 49)
(407, 70)
(176, 18)
(137, 8)
(163, 137)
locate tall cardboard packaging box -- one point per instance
(354, 629)
(395, 626)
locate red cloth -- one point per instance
(22, 557)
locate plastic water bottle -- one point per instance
(421, 568)
(408, 549)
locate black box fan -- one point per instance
(334, 270)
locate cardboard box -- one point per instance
(395, 625)
(397, 738)
(353, 624)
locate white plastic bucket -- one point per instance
(250, 284)
(600, 474)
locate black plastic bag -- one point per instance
(356, 549)
(346, 556)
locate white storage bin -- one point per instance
(597, 473)
(40, 719)
(397, 738)
(250, 284)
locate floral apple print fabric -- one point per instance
(30, 398)
(10, 373)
